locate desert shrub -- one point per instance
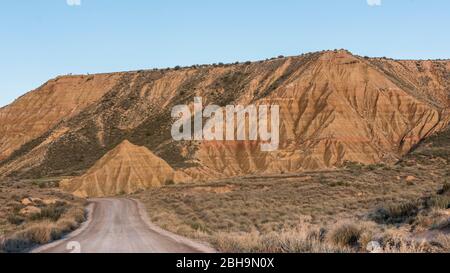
(15, 197)
(439, 202)
(345, 235)
(41, 233)
(368, 232)
(15, 219)
(424, 221)
(316, 234)
(445, 189)
(170, 182)
(288, 241)
(53, 184)
(16, 207)
(196, 225)
(67, 225)
(42, 185)
(443, 241)
(353, 166)
(372, 167)
(52, 212)
(442, 222)
(78, 214)
(15, 244)
(396, 213)
(338, 184)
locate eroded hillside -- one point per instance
(334, 107)
(35, 113)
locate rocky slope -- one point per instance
(35, 113)
(334, 107)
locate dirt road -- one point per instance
(119, 225)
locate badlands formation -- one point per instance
(125, 169)
(335, 107)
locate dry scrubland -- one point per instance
(405, 207)
(335, 107)
(320, 214)
(35, 212)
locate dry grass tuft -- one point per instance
(40, 233)
(443, 241)
(288, 241)
(43, 232)
(268, 214)
(345, 235)
(397, 242)
(21, 232)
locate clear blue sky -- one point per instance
(42, 39)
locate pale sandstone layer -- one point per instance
(335, 107)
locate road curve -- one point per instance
(120, 225)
